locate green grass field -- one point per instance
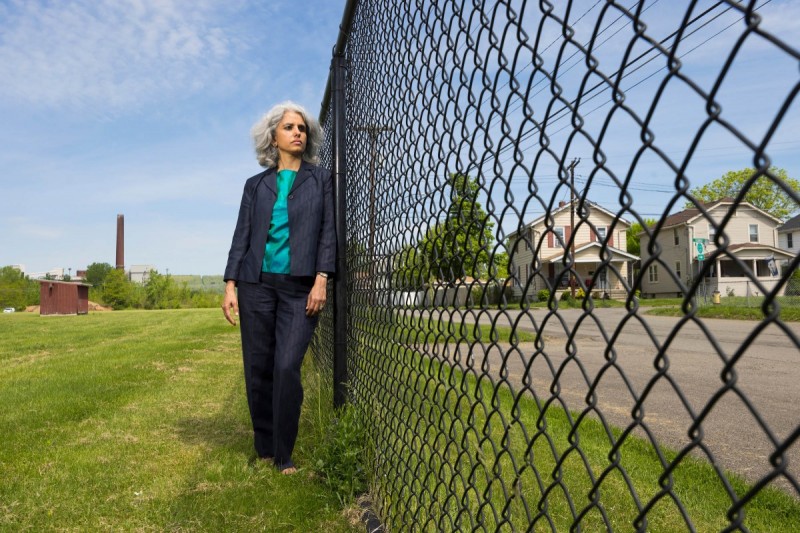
(137, 421)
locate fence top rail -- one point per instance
(338, 50)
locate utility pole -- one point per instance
(571, 168)
(373, 130)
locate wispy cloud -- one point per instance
(33, 228)
(104, 56)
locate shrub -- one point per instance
(793, 284)
(543, 295)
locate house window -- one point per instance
(676, 239)
(558, 240)
(712, 232)
(789, 241)
(762, 268)
(601, 234)
(678, 269)
(653, 273)
(753, 232)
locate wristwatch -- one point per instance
(323, 274)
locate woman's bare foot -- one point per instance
(288, 471)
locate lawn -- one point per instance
(735, 308)
(459, 448)
(137, 421)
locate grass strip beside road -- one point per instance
(137, 421)
(461, 449)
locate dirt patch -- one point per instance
(93, 306)
(97, 307)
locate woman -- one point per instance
(282, 253)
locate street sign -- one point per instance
(700, 249)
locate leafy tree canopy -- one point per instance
(461, 245)
(632, 237)
(96, 273)
(117, 289)
(16, 290)
(764, 193)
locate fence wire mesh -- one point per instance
(522, 193)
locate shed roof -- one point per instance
(64, 282)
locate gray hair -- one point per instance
(263, 133)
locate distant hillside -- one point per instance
(202, 283)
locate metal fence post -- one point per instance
(340, 319)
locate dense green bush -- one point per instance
(543, 295)
(16, 290)
(158, 292)
(793, 284)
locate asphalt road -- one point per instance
(741, 428)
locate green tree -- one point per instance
(96, 273)
(117, 289)
(161, 292)
(764, 192)
(460, 245)
(409, 269)
(632, 237)
(16, 290)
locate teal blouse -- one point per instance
(277, 256)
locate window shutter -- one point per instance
(567, 234)
(592, 235)
(610, 236)
(550, 239)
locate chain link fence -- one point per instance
(518, 182)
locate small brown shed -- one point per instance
(63, 297)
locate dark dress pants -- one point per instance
(275, 336)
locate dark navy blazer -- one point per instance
(312, 236)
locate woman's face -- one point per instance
(291, 136)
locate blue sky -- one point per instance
(144, 108)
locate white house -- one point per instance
(686, 243)
(599, 237)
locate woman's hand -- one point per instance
(316, 298)
(230, 302)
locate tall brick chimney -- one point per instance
(121, 242)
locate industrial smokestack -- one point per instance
(121, 242)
